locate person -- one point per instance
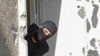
(37, 36)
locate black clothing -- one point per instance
(35, 49)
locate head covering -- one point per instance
(50, 25)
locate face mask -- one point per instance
(41, 35)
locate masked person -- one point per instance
(37, 36)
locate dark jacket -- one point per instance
(35, 49)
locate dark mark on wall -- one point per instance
(93, 53)
(23, 15)
(23, 27)
(83, 50)
(70, 53)
(92, 2)
(99, 42)
(87, 0)
(88, 26)
(94, 16)
(78, 0)
(14, 29)
(92, 42)
(82, 13)
(78, 6)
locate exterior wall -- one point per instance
(8, 24)
(22, 28)
(13, 28)
(79, 28)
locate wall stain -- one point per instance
(94, 17)
(78, 0)
(78, 6)
(83, 50)
(92, 42)
(99, 42)
(92, 2)
(93, 53)
(87, 0)
(23, 15)
(70, 54)
(82, 12)
(88, 26)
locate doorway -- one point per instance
(42, 10)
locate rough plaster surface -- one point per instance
(8, 22)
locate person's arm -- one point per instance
(31, 31)
(34, 40)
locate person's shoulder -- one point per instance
(33, 26)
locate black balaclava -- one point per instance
(50, 25)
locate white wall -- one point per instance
(79, 28)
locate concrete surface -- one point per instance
(8, 22)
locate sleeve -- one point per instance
(41, 49)
(31, 31)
